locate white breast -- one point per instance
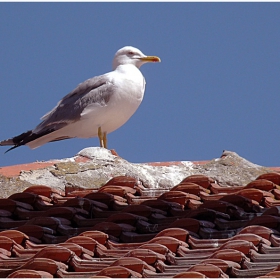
(129, 87)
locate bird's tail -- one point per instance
(33, 140)
(23, 139)
(17, 141)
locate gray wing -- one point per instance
(68, 110)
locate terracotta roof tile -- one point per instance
(196, 228)
(30, 273)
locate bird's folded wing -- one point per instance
(97, 90)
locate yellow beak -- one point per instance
(150, 59)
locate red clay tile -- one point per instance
(252, 238)
(29, 273)
(178, 233)
(229, 255)
(216, 189)
(15, 235)
(84, 241)
(75, 248)
(242, 246)
(6, 243)
(272, 274)
(209, 270)
(208, 197)
(276, 192)
(148, 256)
(250, 265)
(102, 252)
(189, 187)
(205, 243)
(250, 193)
(201, 180)
(157, 248)
(190, 256)
(177, 196)
(190, 274)
(37, 264)
(265, 249)
(171, 269)
(261, 184)
(5, 254)
(259, 230)
(43, 264)
(54, 252)
(114, 190)
(98, 236)
(193, 204)
(248, 273)
(87, 266)
(256, 257)
(118, 272)
(171, 243)
(43, 190)
(222, 264)
(275, 240)
(272, 176)
(134, 264)
(270, 202)
(122, 181)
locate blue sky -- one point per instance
(217, 87)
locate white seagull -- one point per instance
(95, 107)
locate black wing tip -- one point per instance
(25, 138)
(15, 146)
(16, 141)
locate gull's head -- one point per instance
(131, 55)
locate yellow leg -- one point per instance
(102, 138)
(105, 140)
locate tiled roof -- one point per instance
(196, 229)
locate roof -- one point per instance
(99, 215)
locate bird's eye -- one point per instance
(131, 53)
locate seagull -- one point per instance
(95, 107)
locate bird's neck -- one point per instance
(128, 69)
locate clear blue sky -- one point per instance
(217, 87)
